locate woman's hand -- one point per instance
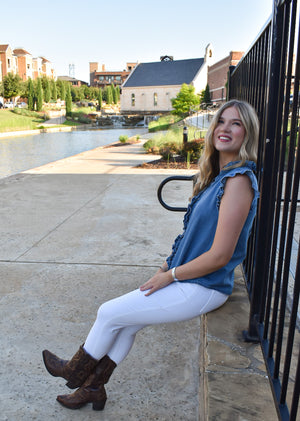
(158, 281)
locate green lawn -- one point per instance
(11, 122)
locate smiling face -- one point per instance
(229, 135)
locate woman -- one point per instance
(198, 275)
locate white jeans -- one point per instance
(119, 320)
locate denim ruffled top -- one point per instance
(199, 226)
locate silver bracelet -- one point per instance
(174, 275)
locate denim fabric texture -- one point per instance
(199, 226)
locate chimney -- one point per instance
(103, 67)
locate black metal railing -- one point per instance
(168, 180)
(268, 78)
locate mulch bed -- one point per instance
(177, 163)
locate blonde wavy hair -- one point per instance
(209, 160)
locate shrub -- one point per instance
(168, 150)
(123, 138)
(193, 149)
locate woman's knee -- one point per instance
(104, 312)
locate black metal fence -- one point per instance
(268, 78)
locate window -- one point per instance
(155, 99)
(101, 77)
(118, 77)
(8, 62)
(132, 100)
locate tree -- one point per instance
(205, 96)
(53, 90)
(68, 100)
(11, 85)
(86, 92)
(118, 93)
(47, 91)
(114, 93)
(30, 95)
(63, 91)
(77, 93)
(186, 98)
(39, 95)
(109, 95)
(100, 98)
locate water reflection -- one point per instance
(26, 152)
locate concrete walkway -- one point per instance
(77, 232)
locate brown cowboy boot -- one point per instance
(93, 388)
(75, 370)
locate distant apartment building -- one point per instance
(102, 78)
(21, 62)
(217, 76)
(8, 60)
(72, 80)
(24, 63)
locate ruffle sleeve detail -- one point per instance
(185, 223)
(248, 170)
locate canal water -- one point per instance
(23, 153)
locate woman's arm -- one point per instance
(233, 212)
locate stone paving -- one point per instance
(79, 231)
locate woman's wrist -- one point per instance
(163, 268)
(174, 275)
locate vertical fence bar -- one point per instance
(264, 77)
(265, 211)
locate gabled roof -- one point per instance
(163, 73)
(45, 60)
(3, 48)
(21, 52)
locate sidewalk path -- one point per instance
(77, 232)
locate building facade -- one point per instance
(21, 62)
(102, 78)
(217, 76)
(72, 80)
(151, 86)
(24, 63)
(8, 60)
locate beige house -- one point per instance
(150, 86)
(8, 60)
(24, 60)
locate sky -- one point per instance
(115, 32)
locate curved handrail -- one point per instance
(167, 180)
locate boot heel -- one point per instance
(99, 406)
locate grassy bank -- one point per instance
(12, 122)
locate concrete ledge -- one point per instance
(47, 129)
(232, 372)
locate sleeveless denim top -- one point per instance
(199, 226)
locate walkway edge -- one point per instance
(203, 387)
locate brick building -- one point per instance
(72, 80)
(103, 78)
(24, 63)
(217, 75)
(8, 61)
(21, 62)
